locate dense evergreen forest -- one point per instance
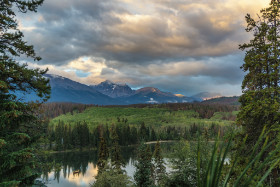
(135, 123)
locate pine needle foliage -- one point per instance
(19, 125)
(103, 155)
(143, 174)
(260, 102)
(159, 165)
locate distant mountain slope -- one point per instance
(223, 100)
(66, 90)
(109, 93)
(154, 95)
(114, 90)
(206, 95)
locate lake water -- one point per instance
(62, 166)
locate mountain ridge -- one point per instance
(113, 90)
(108, 93)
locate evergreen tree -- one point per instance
(106, 134)
(103, 155)
(59, 131)
(84, 134)
(19, 125)
(142, 175)
(160, 170)
(116, 157)
(153, 135)
(150, 160)
(67, 137)
(134, 135)
(75, 141)
(111, 177)
(94, 137)
(260, 100)
(143, 132)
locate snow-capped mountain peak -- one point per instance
(114, 90)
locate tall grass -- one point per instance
(263, 166)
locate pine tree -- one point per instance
(150, 160)
(67, 137)
(260, 100)
(116, 158)
(153, 135)
(142, 175)
(19, 124)
(103, 155)
(134, 135)
(84, 134)
(75, 141)
(160, 170)
(143, 132)
(59, 131)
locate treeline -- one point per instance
(224, 100)
(52, 110)
(203, 109)
(64, 136)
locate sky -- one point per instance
(180, 46)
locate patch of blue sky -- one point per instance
(81, 73)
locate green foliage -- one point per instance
(253, 173)
(206, 164)
(116, 158)
(19, 125)
(159, 168)
(148, 124)
(144, 167)
(184, 163)
(112, 177)
(260, 101)
(81, 134)
(11, 43)
(103, 155)
(155, 117)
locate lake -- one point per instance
(60, 171)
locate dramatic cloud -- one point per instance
(176, 45)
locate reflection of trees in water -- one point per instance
(78, 161)
(57, 174)
(128, 153)
(68, 162)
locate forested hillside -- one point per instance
(139, 122)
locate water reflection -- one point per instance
(74, 169)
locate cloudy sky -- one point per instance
(182, 46)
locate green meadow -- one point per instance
(154, 117)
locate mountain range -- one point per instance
(110, 93)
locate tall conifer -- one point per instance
(116, 158)
(103, 155)
(160, 170)
(19, 126)
(260, 100)
(142, 175)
